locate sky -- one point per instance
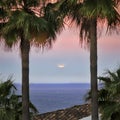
(65, 62)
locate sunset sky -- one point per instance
(66, 62)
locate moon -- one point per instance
(60, 65)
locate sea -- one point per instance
(51, 97)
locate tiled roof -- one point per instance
(74, 113)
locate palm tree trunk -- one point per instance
(25, 48)
(93, 68)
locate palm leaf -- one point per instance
(32, 3)
(110, 111)
(10, 103)
(118, 73)
(113, 76)
(33, 108)
(37, 29)
(104, 79)
(109, 96)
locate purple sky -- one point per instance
(66, 51)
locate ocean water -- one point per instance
(51, 97)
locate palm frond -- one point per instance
(88, 96)
(118, 73)
(83, 12)
(7, 87)
(110, 111)
(6, 114)
(10, 103)
(103, 95)
(31, 3)
(105, 79)
(115, 89)
(3, 13)
(113, 76)
(109, 96)
(54, 16)
(33, 109)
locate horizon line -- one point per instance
(55, 83)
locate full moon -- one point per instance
(61, 65)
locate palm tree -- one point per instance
(109, 95)
(10, 103)
(87, 13)
(27, 27)
(6, 91)
(3, 13)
